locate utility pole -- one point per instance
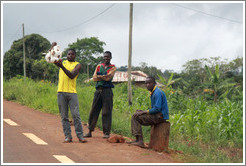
(88, 75)
(24, 56)
(130, 57)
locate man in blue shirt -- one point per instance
(157, 114)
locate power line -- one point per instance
(207, 13)
(69, 27)
(12, 37)
(84, 21)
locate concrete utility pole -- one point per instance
(130, 57)
(24, 56)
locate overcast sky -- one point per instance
(165, 35)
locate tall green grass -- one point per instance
(220, 124)
(206, 131)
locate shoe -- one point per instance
(68, 140)
(130, 142)
(87, 135)
(106, 136)
(141, 145)
(82, 140)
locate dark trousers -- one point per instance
(103, 99)
(146, 120)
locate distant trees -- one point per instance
(122, 68)
(13, 59)
(45, 71)
(149, 70)
(212, 78)
(87, 53)
(87, 49)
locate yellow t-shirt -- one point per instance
(67, 84)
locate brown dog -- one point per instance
(116, 139)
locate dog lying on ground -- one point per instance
(116, 139)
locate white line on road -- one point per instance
(63, 159)
(35, 139)
(10, 122)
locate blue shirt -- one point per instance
(159, 103)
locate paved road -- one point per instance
(31, 136)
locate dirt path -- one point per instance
(17, 148)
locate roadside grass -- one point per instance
(198, 153)
(203, 132)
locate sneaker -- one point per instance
(140, 144)
(106, 136)
(82, 140)
(67, 140)
(87, 135)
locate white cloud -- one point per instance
(164, 35)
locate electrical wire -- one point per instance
(69, 27)
(234, 21)
(14, 35)
(84, 21)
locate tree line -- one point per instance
(87, 53)
(214, 78)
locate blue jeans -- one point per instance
(69, 99)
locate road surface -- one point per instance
(31, 136)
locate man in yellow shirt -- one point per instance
(67, 95)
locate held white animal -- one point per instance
(54, 55)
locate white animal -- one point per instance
(54, 55)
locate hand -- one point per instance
(58, 63)
(99, 76)
(139, 112)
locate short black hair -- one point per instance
(151, 78)
(108, 52)
(71, 49)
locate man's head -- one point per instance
(107, 56)
(150, 83)
(71, 55)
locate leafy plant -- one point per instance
(217, 84)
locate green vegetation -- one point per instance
(87, 53)
(204, 131)
(205, 99)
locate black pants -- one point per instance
(146, 120)
(103, 99)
